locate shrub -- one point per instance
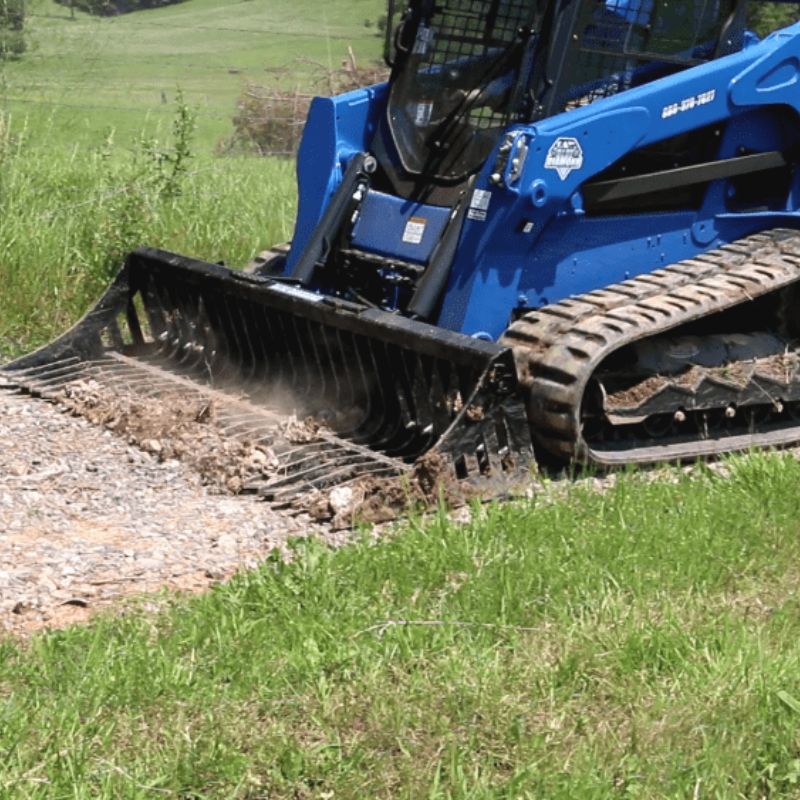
(107, 8)
(270, 122)
(12, 22)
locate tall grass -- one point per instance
(67, 218)
(93, 71)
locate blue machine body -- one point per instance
(393, 227)
(527, 239)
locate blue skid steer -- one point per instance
(566, 230)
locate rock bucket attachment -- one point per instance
(386, 390)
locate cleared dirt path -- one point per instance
(86, 519)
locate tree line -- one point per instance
(108, 8)
(12, 23)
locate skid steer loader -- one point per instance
(564, 230)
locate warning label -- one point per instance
(479, 204)
(423, 41)
(423, 114)
(414, 230)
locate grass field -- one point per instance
(640, 642)
(637, 643)
(84, 75)
(84, 113)
(67, 218)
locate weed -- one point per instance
(166, 167)
(69, 218)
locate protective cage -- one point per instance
(604, 47)
(455, 90)
(391, 389)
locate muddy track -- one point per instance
(558, 348)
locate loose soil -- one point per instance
(125, 496)
(377, 500)
(780, 368)
(174, 427)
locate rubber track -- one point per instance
(557, 348)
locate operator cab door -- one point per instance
(454, 90)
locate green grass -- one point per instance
(638, 643)
(69, 217)
(85, 74)
(78, 189)
(76, 185)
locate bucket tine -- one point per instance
(397, 389)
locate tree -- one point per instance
(105, 8)
(12, 22)
(764, 18)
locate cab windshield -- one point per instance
(456, 87)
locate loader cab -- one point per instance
(458, 81)
(463, 73)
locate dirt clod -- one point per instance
(431, 472)
(300, 431)
(172, 427)
(382, 499)
(475, 413)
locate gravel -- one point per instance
(86, 519)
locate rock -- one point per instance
(214, 574)
(227, 541)
(340, 499)
(343, 501)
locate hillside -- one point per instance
(84, 75)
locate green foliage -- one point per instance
(12, 23)
(69, 218)
(112, 7)
(166, 168)
(763, 18)
(639, 642)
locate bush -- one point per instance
(107, 8)
(12, 22)
(270, 122)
